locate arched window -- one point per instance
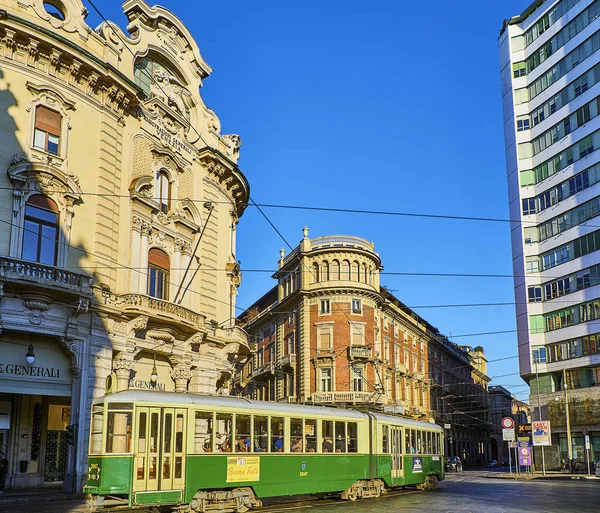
(315, 273)
(325, 271)
(335, 270)
(158, 274)
(162, 191)
(354, 276)
(40, 236)
(345, 270)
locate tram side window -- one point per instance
(438, 439)
(203, 432)
(419, 443)
(413, 441)
(242, 433)
(385, 439)
(340, 437)
(224, 432)
(296, 435)
(310, 433)
(97, 425)
(410, 441)
(327, 434)
(277, 434)
(261, 436)
(352, 437)
(118, 431)
(435, 440)
(429, 449)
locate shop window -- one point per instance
(40, 237)
(46, 134)
(163, 191)
(158, 274)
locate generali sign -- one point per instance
(50, 373)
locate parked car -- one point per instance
(453, 464)
(506, 462)
(492, 464)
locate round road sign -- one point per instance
(508, 423)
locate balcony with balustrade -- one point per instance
(356, 352)
(33, 277)
(289, 360)
(353, 398)
(141, 304)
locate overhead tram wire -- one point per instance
(252, 203)
(125, 267)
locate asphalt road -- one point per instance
(466, 492)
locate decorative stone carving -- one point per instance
(39, 305)
(166, 87)
(232, 142)
(138, 326)
(161, 335)
(122, 366)
(181, 376)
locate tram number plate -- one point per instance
(303, 474)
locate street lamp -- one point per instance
(30, 356)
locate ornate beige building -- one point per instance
(329, 334)
(119, 204)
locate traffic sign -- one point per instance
(508, 423)
(525, 429)
(508, 434)
(587, 441)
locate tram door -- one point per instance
(396, 436)
(159, 449)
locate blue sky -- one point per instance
(384, 106)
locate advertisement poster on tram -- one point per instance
(417, 465)
(540, 432)
(243, 469)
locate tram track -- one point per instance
(275, 505)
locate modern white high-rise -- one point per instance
(550, 76)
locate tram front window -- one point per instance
(118, 428)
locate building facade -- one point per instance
(459, 397)
(550, 74)
(120, 204)
(501, 405)
(329, 334)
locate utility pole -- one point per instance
(569, 441)
(539, 408)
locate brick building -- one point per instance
(329, 333)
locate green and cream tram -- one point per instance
(200, 452)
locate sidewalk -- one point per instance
(550, 474)
(39, 495)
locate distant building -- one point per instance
(550, 77)
(459, 397)
(501, 405)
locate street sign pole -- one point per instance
(509, 460)
(587, 452)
